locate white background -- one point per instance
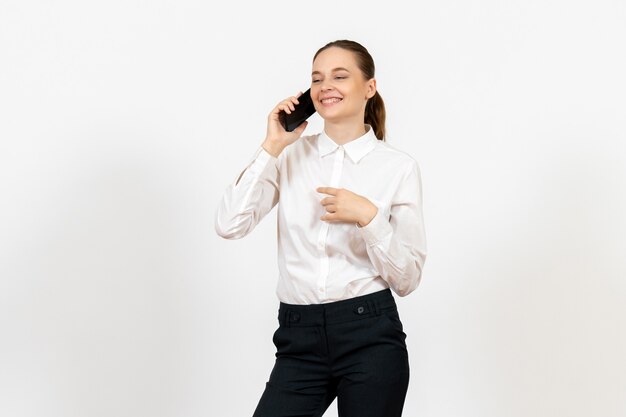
(122, 122)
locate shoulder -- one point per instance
(396, 157)
(301, 148)
(307, 141)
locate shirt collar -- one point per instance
(356, 148)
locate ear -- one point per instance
(371, 88)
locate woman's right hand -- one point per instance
(277, 137)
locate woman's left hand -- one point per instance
(345, 206)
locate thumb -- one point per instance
(301, 128)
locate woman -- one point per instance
(350, 230)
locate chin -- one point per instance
(332, 113)
(332, 117)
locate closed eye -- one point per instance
(337, 78)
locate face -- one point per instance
(338, 88)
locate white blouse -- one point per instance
(319, 261)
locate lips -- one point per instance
(331, 100)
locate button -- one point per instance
(360, 310)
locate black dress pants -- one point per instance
(351, 349)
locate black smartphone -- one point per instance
(303, 110)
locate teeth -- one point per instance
(331, 100)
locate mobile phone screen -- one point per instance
(303, 110)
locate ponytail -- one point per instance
(375, 115)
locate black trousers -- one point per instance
(351, 349)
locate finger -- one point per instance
(301, 128)
(284, 108)
(327, 190)
(330, 217)
(289, 104)
(325, 202)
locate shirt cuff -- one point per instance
(376, 230)
(262, 157)
(257, 164)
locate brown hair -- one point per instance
(375, 107)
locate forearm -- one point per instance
(248, 199)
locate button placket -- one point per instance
(321, 241)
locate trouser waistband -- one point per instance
(336, 312)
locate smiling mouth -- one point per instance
(332, 100)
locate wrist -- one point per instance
(272, 148)
(368, 216)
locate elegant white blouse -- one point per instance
(319, 261)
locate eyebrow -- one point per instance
(334, 70)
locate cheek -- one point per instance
(315, 90)
(314, 98)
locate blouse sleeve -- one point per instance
(249, 198)
(397, 245)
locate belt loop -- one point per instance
(293, 316)
(373, 305)
(286, 318)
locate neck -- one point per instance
(345, 131)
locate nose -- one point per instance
(325, 86)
